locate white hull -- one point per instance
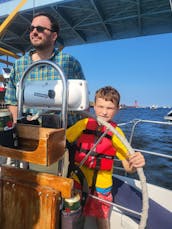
(169, 118)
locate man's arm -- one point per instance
(13, 110)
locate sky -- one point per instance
(139, 68)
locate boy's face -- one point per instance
(105, 109)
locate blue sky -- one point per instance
(140, 68)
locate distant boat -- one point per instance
(153, 107)
(168, 116)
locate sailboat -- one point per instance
(33, 199)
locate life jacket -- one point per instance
(102, 156)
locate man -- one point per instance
(44, 31)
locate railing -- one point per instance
(64, 83)
(134, 124)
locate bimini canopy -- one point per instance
(87, 21)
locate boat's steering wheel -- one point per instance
(145, 200)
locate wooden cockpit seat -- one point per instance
(30, 199)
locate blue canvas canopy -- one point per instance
(87, 21)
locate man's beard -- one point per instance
(41, 46)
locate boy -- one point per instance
(98, 167)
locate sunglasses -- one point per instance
(40, 29)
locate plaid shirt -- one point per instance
(70, 66)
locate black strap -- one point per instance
(97, 133)
(72, 147)
(84, 185)
(97, 168)
(73, 168)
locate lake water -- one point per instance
(151, 137)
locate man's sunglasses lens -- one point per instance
(40, 29)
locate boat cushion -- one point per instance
(129, 197)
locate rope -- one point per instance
(145, 200)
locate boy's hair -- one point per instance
(54, 23)
(108, 93)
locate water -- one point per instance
(151, 137)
